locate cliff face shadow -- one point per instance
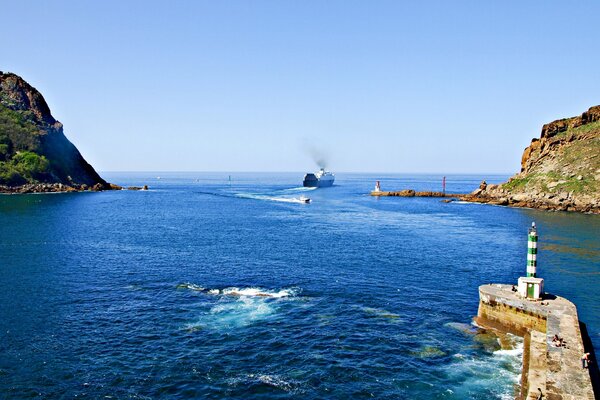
(593, 366)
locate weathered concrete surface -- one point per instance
(536, 376)
(556, 371)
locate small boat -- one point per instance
(304, 199)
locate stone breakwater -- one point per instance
(497, 195)
(62, 188)
(556, 371)
(410, 193)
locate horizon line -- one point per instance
(295, 172)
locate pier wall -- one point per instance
(557, 371)
(509, 317)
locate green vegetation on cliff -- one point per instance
(24, 167)
(18, 166)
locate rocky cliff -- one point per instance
(35, 155)
(559, 171)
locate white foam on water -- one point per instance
(495, 374)
(299, 189)
(242, 312)
(511, 352)
(276, 381)
(280, 199)
(240, 307)
(257, 292)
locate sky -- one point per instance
(374, 86)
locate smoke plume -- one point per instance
(319, 156)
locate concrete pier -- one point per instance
(557, 371)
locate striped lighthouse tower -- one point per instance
(532, 239)
(531, 286)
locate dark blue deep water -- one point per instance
(157, 294)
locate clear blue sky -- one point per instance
(419, 86)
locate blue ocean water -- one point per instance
(201, 288)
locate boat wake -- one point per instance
(299, 189)
(280, 195)
(281, 199)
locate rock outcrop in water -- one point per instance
(35, 155)
(559, 171)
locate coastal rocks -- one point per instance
(63, 188)
(545, 201)
(54, 188)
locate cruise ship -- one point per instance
(320, 179)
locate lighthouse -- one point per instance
(530, 286)
(532, 251)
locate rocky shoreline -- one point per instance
(561, 201)
(497, 195)
(31, 188)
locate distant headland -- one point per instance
(559, 171)
(35, 155)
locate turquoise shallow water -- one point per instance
(200, 289)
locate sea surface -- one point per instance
(204, 287)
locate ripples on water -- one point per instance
(201, 289)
